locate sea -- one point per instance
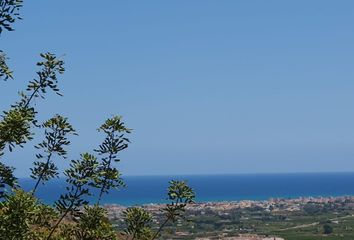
(141, 190)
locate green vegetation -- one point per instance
(327, 229)
(22, 214)
(284, 222)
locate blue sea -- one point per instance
(152, 189)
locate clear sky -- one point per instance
(208, 86)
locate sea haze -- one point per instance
(152, 189)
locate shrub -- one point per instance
(327, 229)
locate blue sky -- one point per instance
(209, 87)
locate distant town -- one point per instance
(276, 218)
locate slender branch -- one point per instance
(32, 95)
(42, 173)
(60, 220)
(176, 204)
(64, 215)
(104, 183)
(41, 81)
(110, 157)
(50, 150)
(75, 197)
(160, 228)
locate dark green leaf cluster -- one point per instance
(44, 216)
(5, 71)
(7, 178)
(15, 127)
(9, 13)
(114, 142)
(46, 78)
(18, 213)
(43, 171)
(138, 223)
(180, 195)
(94, 224)
(327, 229)
(56, 131)
(80, 176)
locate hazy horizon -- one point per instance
(185, 176)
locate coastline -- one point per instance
(144, 190)
(267, 205)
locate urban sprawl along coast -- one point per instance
(248, 219)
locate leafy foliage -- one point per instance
(9, 13)
(56, 130)
(138, 223)
(93, 224)
(7, 178)
(45, 216)
(180, 194)
(114, 142)
(15, 127)
(327, 229)
(18, 213)
(5, 71)
(47, 77)
(80, 177)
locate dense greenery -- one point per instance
(22, 214)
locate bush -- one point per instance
(327, 229)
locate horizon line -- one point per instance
(223, 174)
